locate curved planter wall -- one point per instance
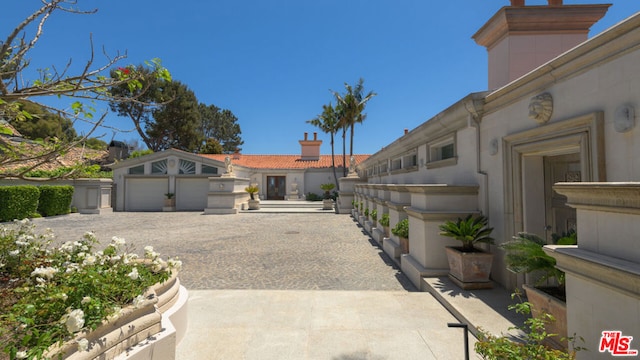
(151, 331)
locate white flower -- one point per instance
(118, 241)
(45, 272)
(137, 302)
(83, 345)
(148, 249)
(175, 264)
(134, 274)
(85, 300)
(67, 247)
(14, 253)
(64, 297)
(21, 355)
(74, 320)
(72, 267)
(89, 260)
(158, 265)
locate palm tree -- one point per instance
(352, 104)
(328, 123)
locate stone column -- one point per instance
(347, 194)
(399, 199)
(431, 206)
(603, 270)
(226, 195)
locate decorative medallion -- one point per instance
(624, 118)
(541, 108)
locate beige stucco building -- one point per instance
(140, 184)
(560, 108)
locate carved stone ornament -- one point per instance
(541, 108)
(624, 118)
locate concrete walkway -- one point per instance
(295, 286)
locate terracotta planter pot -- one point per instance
(386, 231)
(542, 302)
(404, 245)
(170, 202)
(470, 270)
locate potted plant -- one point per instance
(401, 230)
(374, 217)
(524, 254)
(384, 221)
(469, 267)
(254, 204)
(169, 200)
(327, 202)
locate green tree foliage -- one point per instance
(221, 125)
(43, 124)
(212, 146)
(18, 87)
(167, 114)
(177, 122)
(143, 100)
(95, 144)
(328, 123)
(351, 105)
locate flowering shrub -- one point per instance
(49, 294)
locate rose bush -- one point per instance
(49, 294)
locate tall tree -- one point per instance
(352, 104)
(328, 123)
(142, 100)
(177, 122)
(221, 125)
(43, 124)
(17, 87)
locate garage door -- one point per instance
(145, 194)
(191, 194)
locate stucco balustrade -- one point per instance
(431, 205)
(399, 198)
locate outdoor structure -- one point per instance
(195, 179)
(560, 108)
(90, 196)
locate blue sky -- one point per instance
(272, 63)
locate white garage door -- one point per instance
(145, 194)
(191, 194)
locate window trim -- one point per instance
(435, 147)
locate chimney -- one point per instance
(520, 38)
(310, 149)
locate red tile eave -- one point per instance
(282, 161)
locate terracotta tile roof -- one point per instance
(283, 161)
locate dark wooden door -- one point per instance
(276, 187)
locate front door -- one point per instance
(560, 218)
(276, 187)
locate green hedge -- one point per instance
(55, 200)
(18, 202)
